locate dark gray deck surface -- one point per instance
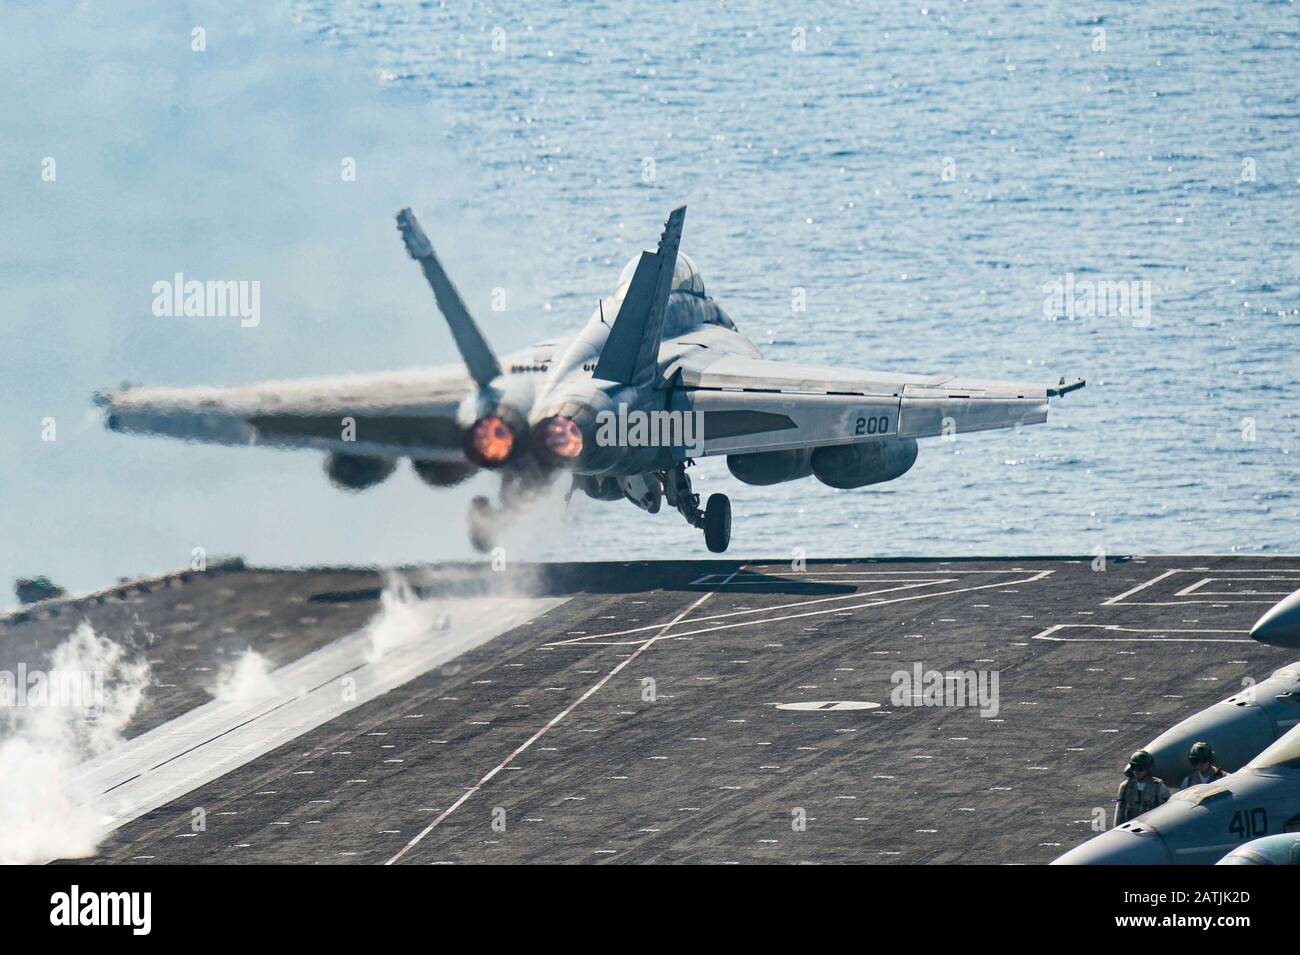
(547, 729)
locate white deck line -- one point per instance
(1123, 601)
(555, 720)
(1155, 636)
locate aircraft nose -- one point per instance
(1280, 626)
(1119, 847)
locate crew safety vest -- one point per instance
(1134, 801)
(1195, 778)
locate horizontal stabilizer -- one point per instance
(1064, 388)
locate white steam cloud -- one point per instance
(247, 680)
(43, 812)
(403, 617)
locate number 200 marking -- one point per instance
(874, 425)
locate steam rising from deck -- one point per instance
(247, 680)
(44, 812)
(403, 617)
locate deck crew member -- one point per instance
(1203, 769)
(1141, 791)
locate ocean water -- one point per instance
(811, 148)
(919, 173)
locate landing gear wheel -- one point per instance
(482, 529)
(717, 523)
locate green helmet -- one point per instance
(1201, 752)
(1141, 760)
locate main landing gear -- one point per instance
(715, 519)
(717, 523)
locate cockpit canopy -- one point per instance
(686, 277)
(686, 312)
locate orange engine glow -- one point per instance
(561, 438)
(491, 442)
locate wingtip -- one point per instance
(1064, 387)
(107, 397)
(105, 400)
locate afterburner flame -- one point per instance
(561, 438)
(490, 442)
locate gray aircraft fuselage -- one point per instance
(657, 378)
(1201, 824)
(1238, 728)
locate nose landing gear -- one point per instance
(715, 519)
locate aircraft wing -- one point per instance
(405, 413)
(751, 405)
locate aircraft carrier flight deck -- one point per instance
(712, 711)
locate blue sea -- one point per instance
(919, 174)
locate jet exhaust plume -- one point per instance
(490, 443)
(560, 438)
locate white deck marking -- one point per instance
(1220, 597)
(1154, 636)
(855, 595)
(590, 641)
(761, 580)
(179, 756)
(555, 720)
(1130, 593)
(1196, 588)
(779, 573)
(824, 706)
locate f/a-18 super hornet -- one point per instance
(1239, 728)
(1202, 823)
(1283, 849)
(658, 377)
(1255, 736)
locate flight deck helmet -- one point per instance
(1201, 752)
(1141, 760)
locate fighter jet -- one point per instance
(1201, 824)
(1238, 728)
(1271, 850)
(657, 378)
(1280, 626)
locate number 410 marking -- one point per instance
(1249, 824)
